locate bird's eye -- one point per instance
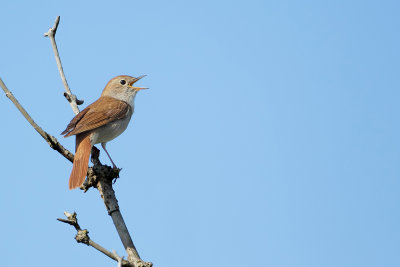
(122, 82)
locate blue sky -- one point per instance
(269, 135)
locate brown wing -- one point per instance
(106, 109)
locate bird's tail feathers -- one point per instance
(83, 148)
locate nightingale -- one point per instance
(100, 122)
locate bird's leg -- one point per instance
(103, 145)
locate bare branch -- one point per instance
(73, 101)
(104, 185)
(99, 176)
(82, 236)
(51, 140)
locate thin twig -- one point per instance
(73, 101)
(82, 236)
(51, 140)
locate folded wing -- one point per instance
(107, 109)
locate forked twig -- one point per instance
(82, 236)
(73, 101)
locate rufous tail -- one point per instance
(83, 148)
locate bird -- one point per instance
(101, 122)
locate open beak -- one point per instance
(134, 81)
(140, 88)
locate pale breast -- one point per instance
(110, 131)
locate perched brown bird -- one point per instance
(101, 122)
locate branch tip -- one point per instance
(52, 31)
